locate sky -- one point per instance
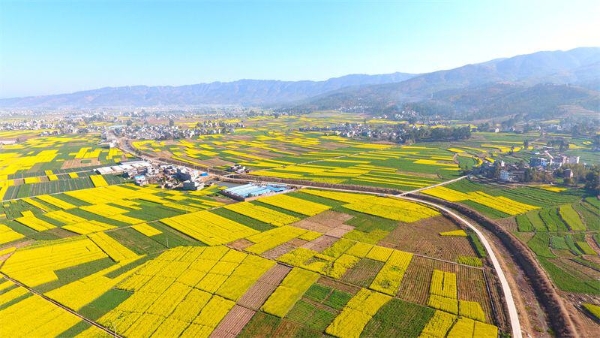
(52, 47)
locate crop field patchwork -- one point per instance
(321, 262)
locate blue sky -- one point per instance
(49, 47)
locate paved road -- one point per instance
(431, 186)
(513, 315)
(510, 303)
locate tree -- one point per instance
(526, 144)
(171, 122)
(592, 181)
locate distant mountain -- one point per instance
(493, 100)
(501, 86)
(245, 92)
(542, 83)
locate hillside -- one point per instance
(539, 83)
(245, 92)
(542, 83)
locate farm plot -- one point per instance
(194, 286)
(50, 320)
(398, 319)
(37, 265)
(295, 204)
(289, 292)
(262, 214)
(8, 235)
(424, 237)
(394, 209)
(357, 313)
(347, 264)
(209, 228)
(499, 203)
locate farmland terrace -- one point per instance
(341, 255)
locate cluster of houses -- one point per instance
(171, 131)
(238, 169)
(544, 162)
(169, 176)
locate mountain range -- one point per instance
(542, 83)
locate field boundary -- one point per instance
(542, 285)
(87, 320)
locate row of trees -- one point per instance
(436, 134)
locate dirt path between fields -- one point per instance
(89, 321)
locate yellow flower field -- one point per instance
(443, 303)
(65, 217)
(338, 196)
(289, 292)
(446, 194)
(454, 233)
(392, 208)
(209, 228)
(36, 265)
(390, 277)
(443, 284)
(380, 253)
(185, 291)
(471, 310)
(8, 235)
(146, 229)
(98, 181)
(81, 292)
(357, 313)
(262, 214)
(88, 227)
(33, 222)
(438, 326)
(270, 239)
(109, 211)
(115, 250)
(500, 203)
(463, 328)
(295, 204)
(35, 317)
(35, 203)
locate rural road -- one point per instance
(513, 315)
(429, 187)
(510, 303)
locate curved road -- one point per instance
(513, 315)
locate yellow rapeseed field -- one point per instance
(289, 291)
(35, 317)
(262, 214)
(392, 208)
(36, 265)
(209, 228)
(357, 313)
(390, 276)
(438, 326)
(8, 235)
